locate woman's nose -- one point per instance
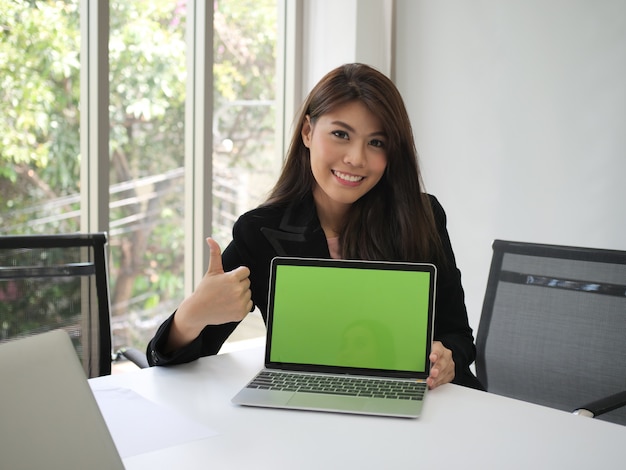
(355, 156)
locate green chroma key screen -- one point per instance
(339, 316)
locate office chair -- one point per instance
(59, 281)
(553, 328)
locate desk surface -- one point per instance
(459, 428)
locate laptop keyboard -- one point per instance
(350, 386)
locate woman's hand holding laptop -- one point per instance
(442, 369)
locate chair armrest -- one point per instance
(135, 356)
(603, 405)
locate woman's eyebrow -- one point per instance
(351, 129)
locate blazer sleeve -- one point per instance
(451, 322)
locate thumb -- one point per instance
(215, 260)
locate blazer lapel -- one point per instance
(299, 233)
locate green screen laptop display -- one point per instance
(355, 314)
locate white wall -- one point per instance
(336, 32)
(519, 113)
(518, 108)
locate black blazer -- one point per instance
(294, 230)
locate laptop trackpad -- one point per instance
(330, 402)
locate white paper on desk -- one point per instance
(139, 425)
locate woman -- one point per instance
(350, 188)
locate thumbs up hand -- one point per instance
(227, 294)
(220, 297)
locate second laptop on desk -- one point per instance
(346, 336)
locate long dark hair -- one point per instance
(394, 220)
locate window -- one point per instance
(40, 182)
(147, 73)
(39, 117)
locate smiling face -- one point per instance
(348, 155)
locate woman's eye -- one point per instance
(377, 143)
(340, 134)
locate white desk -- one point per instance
(459, 428)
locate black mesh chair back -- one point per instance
(553, 325)
(52, 282)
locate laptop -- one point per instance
(346, 336)
(49, 416)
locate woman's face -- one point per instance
(348, 153)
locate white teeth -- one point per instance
(350, 178)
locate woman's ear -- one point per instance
(306, 131)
